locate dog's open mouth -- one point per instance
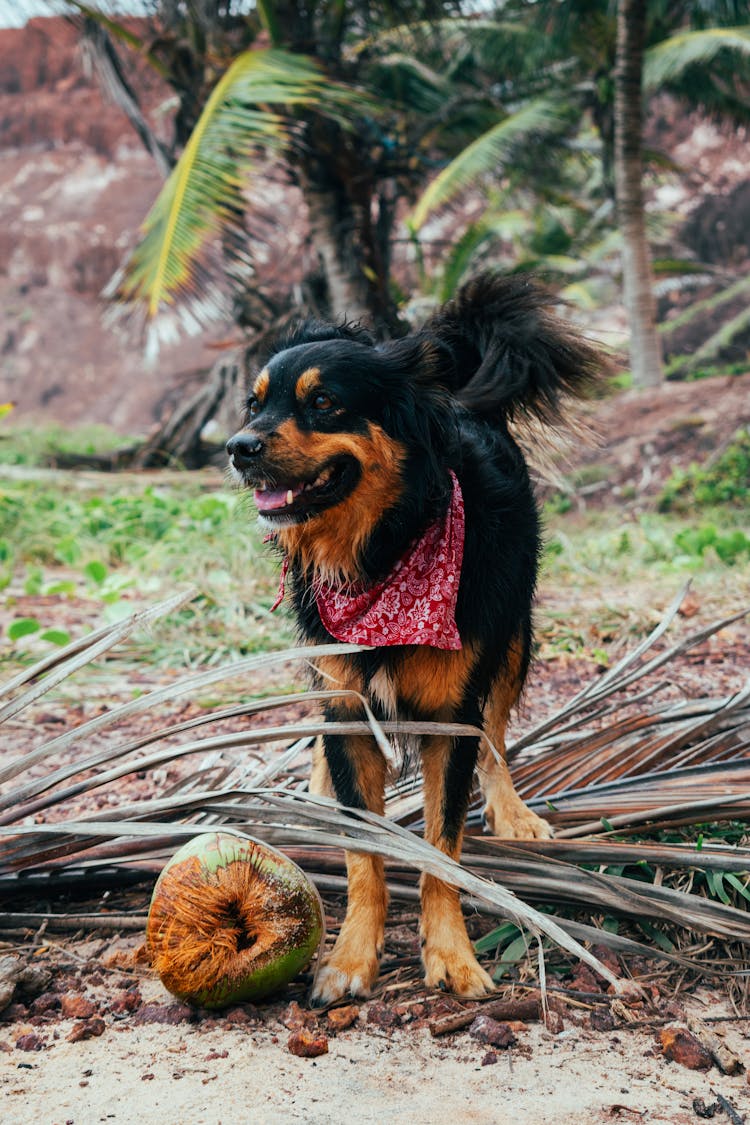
(294, 500)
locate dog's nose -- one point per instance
(243, 448)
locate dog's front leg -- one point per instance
(447, 952)
(354, 769)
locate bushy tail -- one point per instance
(509, 349)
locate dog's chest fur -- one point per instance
(382, 693)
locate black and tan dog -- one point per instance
(402, 505)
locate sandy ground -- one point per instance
(208, 1074)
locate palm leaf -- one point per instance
(669, 60)
(408, 82)
(204, 194)
(601, 753)
(487, 155)
(462, 255)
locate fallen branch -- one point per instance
(528, 1010)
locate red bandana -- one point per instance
(415, 604)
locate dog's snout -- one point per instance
(244, 448)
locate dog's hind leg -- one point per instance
(354, 769)
(447, 953)
(505, 813)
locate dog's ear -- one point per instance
(419, 376)
(313, 331)
(424, 360)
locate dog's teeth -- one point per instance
(289, 496)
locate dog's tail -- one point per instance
(508, 350)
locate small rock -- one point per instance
(30, 1042)
(294, 1017)
(608, 958)
(163, 1013)
(601, 1019)
(126, 1002)
(77, 1007)
(87, 1029)
(554, 1022)
(239, 1015)
(689, 606)
(700, 1109)
(307, 1044)
(681, 1046)
(15, 1013)
(122, 958)
(341, 1018)
(584, 979)
(489, 1059)
(492, 1032)
(380, 1015)
(47, 1002)
(18, 977)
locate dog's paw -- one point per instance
(510, 819)
(455, 971)
(341, 976)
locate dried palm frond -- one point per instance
(602, 761)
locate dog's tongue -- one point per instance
(271, 499)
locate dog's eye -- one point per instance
(322, 401)
(253, 407)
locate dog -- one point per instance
(389, 479)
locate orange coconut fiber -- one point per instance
(231, 919)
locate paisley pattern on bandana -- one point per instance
(416, 603)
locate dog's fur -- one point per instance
(392, 420)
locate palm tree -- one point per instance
(645, 347)
(576, 63)
(686, 51)
(357, 121)
(336, 113)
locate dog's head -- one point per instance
(325, 443)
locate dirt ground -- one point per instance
(640, 437)
(96, 1038)
(149, 1058)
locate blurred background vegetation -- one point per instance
(404, 148)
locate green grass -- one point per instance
(120, 542)
(607, 576)
(77, 550)
(38, 445)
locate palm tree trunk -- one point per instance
(332, 236)
(351, 215)
(645, 346)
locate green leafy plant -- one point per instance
(724, 479)
(695, 541)
(30, 626)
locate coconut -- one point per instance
(231, 919)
